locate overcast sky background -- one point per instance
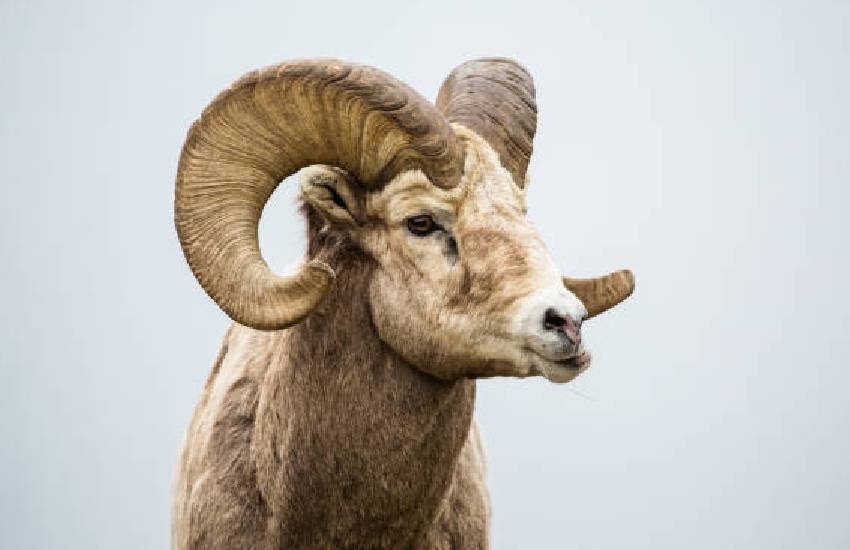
(706, 146)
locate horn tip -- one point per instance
(314, 282)
(628, 278)
(322, 270)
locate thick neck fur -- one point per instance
(369, 442)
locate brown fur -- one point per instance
(320, 436)
(353, 428)
(349, 424)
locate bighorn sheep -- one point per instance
(338, 413)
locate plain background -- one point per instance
(704, 145)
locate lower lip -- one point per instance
(576, 362)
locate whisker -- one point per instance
(581, 394)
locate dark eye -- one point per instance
(421, 225)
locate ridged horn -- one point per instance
(494, 97)
(602, 293)
(268, 125)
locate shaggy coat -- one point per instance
(338, 413)
(320, 436)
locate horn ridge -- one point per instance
(266, 126)
(495, 98)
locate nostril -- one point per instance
(556, 322)
(553, 321)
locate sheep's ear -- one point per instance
(334, 193)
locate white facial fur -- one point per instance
(476, 313)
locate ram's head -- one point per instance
(433, 197)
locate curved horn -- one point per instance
(494, 97)
(265, 127)
(602, 293)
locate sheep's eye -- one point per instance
(421, 225)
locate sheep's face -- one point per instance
(463, 284)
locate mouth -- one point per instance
(578, 361)
(562, 370)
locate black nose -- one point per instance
(565, 325)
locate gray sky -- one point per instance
(706, 146)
